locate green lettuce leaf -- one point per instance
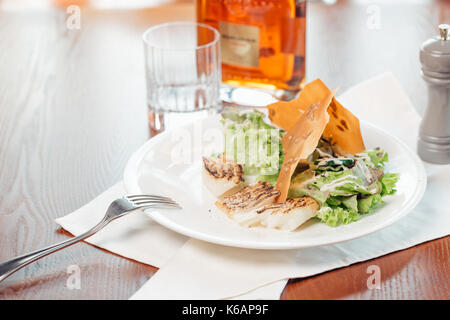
(351, 203)
(375, 158)
(346, 193)
(388, 181)
(337, 216)
(343, 183)
(344, 210)
(307, 190)
(366, 204)
(252, 142)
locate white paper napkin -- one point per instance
(200, 270)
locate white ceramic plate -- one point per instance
(170, 165)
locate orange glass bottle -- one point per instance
(262, 43)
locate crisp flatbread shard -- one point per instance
(301, 140)
(343, 128)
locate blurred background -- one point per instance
(347, 40)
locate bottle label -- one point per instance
(239, 44)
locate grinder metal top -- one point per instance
(435, 52)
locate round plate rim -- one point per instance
(132, 187)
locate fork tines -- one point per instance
(143, 200)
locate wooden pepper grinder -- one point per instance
(434, 134)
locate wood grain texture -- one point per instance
(421, 272)
(72, 110)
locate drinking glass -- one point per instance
(183, 72)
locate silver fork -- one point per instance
(116, 209)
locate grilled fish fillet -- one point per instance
(248, 198)
(221, 175)
(254, 206)
(288, 215)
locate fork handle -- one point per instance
(9, 267)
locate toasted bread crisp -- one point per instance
(343, 128)
(301, 140)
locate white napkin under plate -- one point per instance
(192, 269)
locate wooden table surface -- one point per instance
(72, 110)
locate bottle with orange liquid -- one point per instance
(262, 43)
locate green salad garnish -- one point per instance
(345, 186)
(255, 144)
